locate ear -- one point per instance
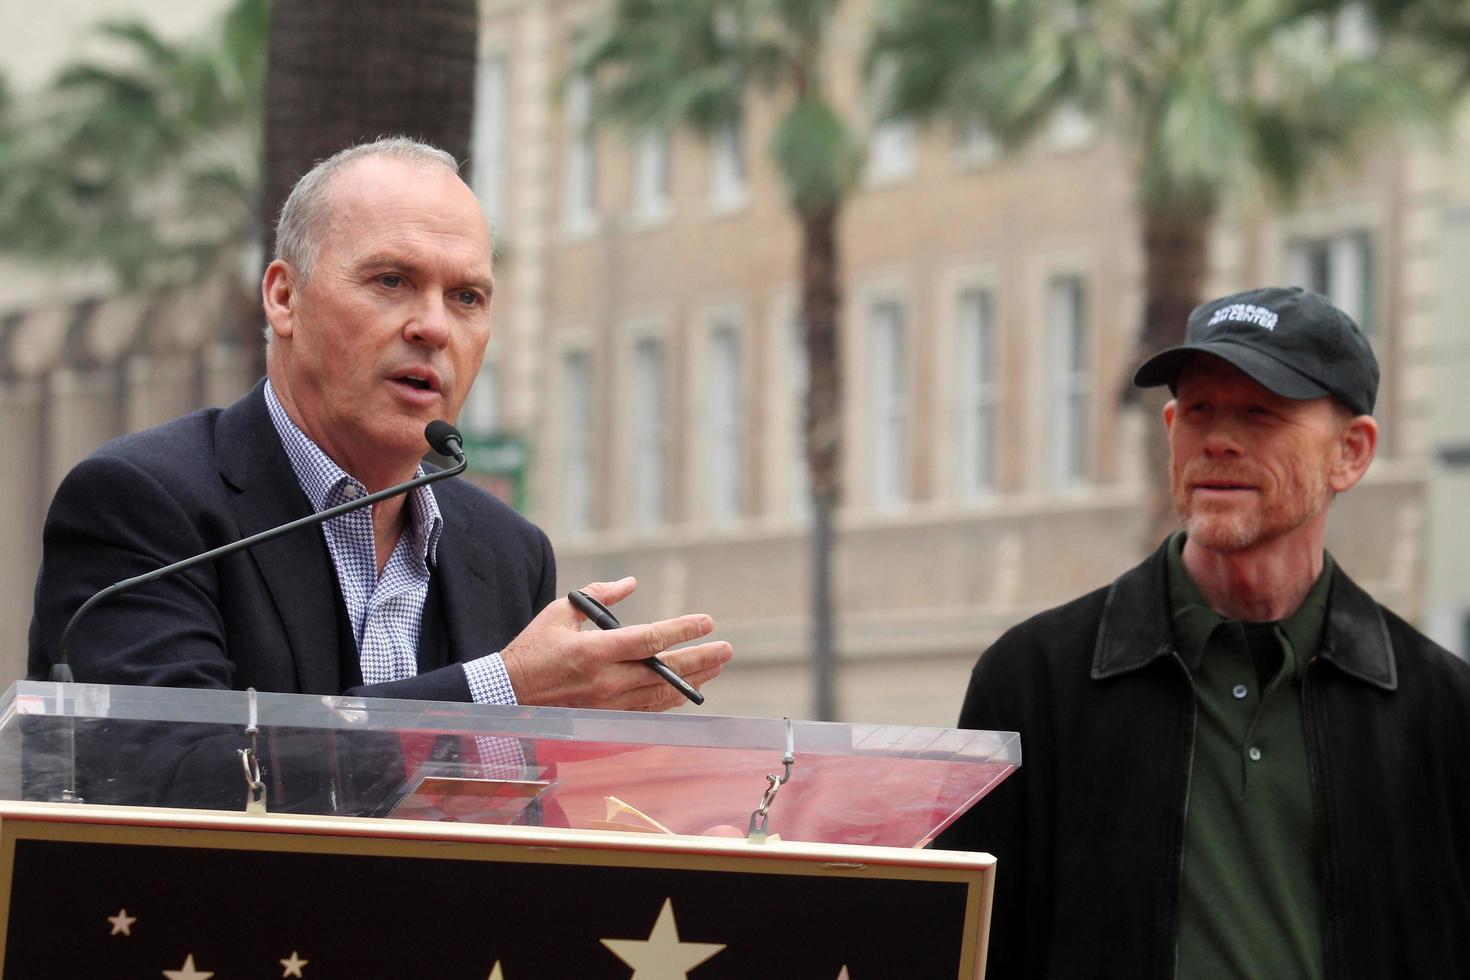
(279, 296)
(1356, 447)
(1170, 407)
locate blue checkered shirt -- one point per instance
(386, 610)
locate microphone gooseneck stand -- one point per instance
(446, 441)
(442, 437)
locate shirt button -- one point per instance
(350, 492)
(1255, 754)
(1240, 692)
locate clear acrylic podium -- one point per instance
(730, 822)
(687, 774)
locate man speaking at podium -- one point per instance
(378, 304)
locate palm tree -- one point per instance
(147, 163)
(1440, 24)
(692, 63)
(1214, 98)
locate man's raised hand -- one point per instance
(553, 661)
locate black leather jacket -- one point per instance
(1089, 832)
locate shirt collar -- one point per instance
(326, 484)
(1195, 622)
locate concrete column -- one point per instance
(22, 487)
(229, 371)
(160, 386)
(82, 414)
(1446, 603)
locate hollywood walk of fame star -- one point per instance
(495, 973)
(188, 971)
(292, 967)
(662, 956)
(122, 922)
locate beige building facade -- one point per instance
(649, 352)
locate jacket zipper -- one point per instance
(1319, 810)
(1184, 813)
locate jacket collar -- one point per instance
(1136, 627)
(295, 567)
(466, 572)
(1356, 639)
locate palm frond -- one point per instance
(154, 50)
(663, 64)
(816, 154)
(667, 63)
(1207, 90)
(125, 154)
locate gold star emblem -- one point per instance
(495, 973)
(293, 965)
(188, 972)
(662, 956)
(122, 923)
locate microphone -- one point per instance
(442, 437)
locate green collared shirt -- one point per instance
(1251, 897)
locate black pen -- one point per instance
(603, 619)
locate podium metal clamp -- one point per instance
(250, 761)
(756, 831)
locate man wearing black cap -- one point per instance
(1237, 764)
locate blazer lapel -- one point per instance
(296, 568)
(467, 581)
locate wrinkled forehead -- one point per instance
(384, 197)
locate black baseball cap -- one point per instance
(1290, 341)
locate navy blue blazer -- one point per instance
(269, 617)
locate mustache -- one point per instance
(1208, 471)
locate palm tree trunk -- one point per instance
(342, 72)
(1176, 261)
(820, 305)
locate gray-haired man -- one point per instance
(378, 304)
